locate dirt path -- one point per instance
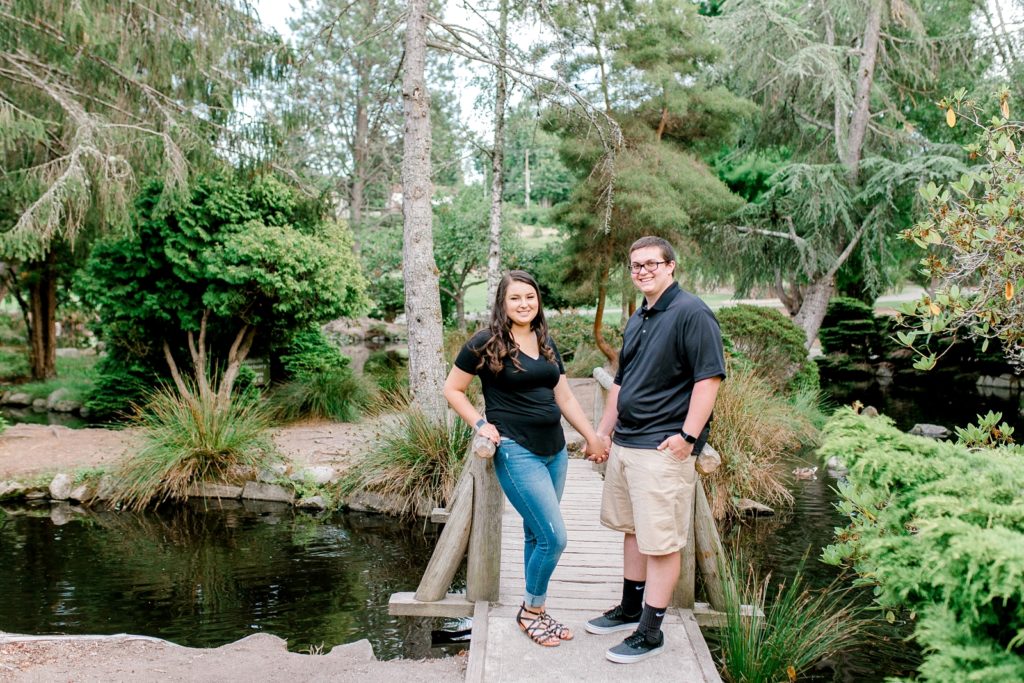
(258, 658)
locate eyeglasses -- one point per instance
(649, 266)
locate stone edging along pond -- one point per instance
(309, 488)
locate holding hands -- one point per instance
(598, 447)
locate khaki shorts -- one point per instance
(649, 493)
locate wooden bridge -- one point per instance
(587, 581)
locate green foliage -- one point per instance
(799, 628)
(550, 267)
(850, 327)
(120, 384)
(389, 370)
(772, 343)
(972, 232)
(13, 363)
(189, 439)
(416, 463)
(940, 530)
(77, 374)
(320, 383)
(248, 251)
(988, 433)
(574, 332)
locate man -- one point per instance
(670, 368)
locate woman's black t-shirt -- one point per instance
(520, 403)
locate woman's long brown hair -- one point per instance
(501, 345)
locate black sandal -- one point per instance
(541, 628)
(561, 630)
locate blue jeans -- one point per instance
(534, 486)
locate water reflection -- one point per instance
(204, 576)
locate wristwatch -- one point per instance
(481, 422)
(688, 439)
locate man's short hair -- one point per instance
(667, 252)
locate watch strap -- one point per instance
(688, 438)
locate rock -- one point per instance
(1003, 381)
(937, 432)
(83, 493)
(205, 489)
(60, 486)
(105, 489)
(317, 475)
(84, 412)
(67, 406)
(834, 463)
(312, 503)
(367, 501)
(37, 494)
(359, 651)
(752, 508)
(271, 474)
(12, 489)
(19, 398)
(57, 395)
(869, 411)
(272, 492)
(39, 405)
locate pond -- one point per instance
(205, 576)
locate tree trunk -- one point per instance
(498, 160)
(812, 311)
(422, 294)
(43, 320)
(861, 114)
(526, 179)
(360, 154)
(602, 344)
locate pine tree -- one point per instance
(95, 95)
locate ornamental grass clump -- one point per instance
(190, 438)
(785, 636)
(753, 430)
(415, 463)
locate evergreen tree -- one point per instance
(94, 95)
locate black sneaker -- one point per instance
(635, 648)
(613, 620)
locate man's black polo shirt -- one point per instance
(665, 350)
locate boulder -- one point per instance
(57, 395)
(66, 406)
(317, 475)
(84, 412)
(271, 474)
(18, 398)
(206, 489)
(937, 432)
(272, 492)
(39, 405)
(83, 493)
(836, 464)
(12, 489)
(105, 488)
(312, 503)
(60, 486)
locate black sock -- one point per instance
(632, 597)
(650, 621)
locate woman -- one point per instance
(525, 396)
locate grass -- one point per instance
(753, 429)
(74, 373)
(416, 463)
(189, 439)
(337, 395)
(799, 628)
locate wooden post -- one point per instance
(483, 571)
(709, 550)
(451, 546)
(684, 594)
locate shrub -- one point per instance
(799, 627)
(389, 370)
(940, 530)
(320, 382)
(416, 462)
(849, 327)
(753, 430)
(574, 335)
(190, 438)
(772, 343)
